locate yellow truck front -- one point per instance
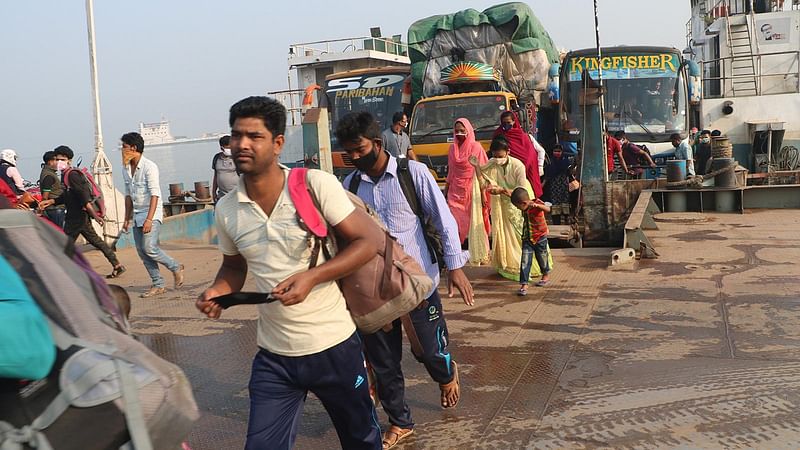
(432, 120)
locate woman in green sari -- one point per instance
(500, 176)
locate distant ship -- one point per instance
(157, 134)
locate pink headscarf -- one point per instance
(459, 178)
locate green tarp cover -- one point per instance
(512, 26)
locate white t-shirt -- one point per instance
(275, 248)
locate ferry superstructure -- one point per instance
(749, 51)
(158, 134)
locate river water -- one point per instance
(182, 163)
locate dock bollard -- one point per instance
(726, 179)
(176, 192)
(676, 171)
(201, 192)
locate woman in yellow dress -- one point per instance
(500, 176)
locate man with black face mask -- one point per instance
(377, 183)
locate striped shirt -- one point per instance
(387, 199)
(534, 227)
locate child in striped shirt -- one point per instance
(534, 238)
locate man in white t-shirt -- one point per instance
(307, 339)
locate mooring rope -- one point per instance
(697, 181)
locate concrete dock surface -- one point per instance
(699, 348)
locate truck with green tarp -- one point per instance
(474, 64)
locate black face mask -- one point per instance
(367, 161)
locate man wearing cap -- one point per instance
(50, 185)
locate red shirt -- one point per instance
(612, 146)
(8, 193)
(534, 226)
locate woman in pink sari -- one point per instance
(464, 196)
(521, 147)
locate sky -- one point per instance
(189, 60)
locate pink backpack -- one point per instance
(97, 194)
(385, 288)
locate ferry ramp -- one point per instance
(699, 348)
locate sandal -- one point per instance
(542, 283)
(522, 292)
(117, 271)
(154, 291)
(451, 392)
(394, 435)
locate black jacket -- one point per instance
(76, 197)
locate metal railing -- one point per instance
(724, 8)
(724, 65)
(392, 46)
(292, 100)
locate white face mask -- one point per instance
(501, 161)
(226, 151)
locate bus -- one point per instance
(377, 90)
(646, 93)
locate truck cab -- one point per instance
(432, 120)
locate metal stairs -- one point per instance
(743, 73)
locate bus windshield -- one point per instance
(433, 121)
(645, 95)
(379, 94)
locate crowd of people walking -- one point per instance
(491, 211)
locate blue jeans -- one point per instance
(538, 250)
(151, 255)
(56, 215)
(279, 385)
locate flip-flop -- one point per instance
(394, 435)
(451, 389)
(522, 292)
(542, 283)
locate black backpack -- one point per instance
(432, 237)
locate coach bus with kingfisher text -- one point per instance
(646, 93)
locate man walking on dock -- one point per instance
(387, 185)
(144, 212)
(76, 197)
(307, 340)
